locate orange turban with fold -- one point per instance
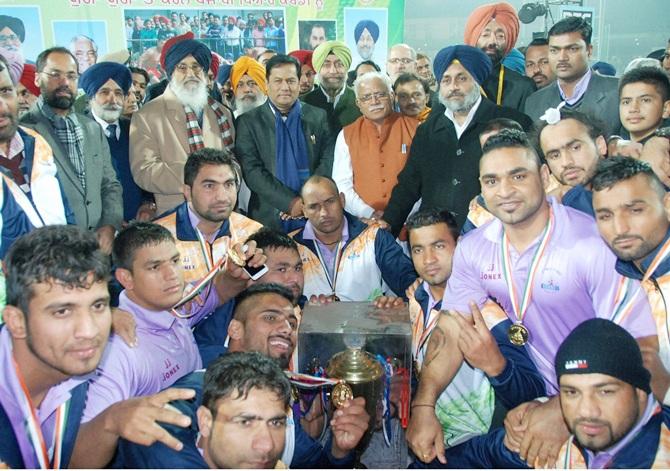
(503, 13)
(251, 67)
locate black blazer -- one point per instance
(255, 147)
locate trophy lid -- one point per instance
(354, 365)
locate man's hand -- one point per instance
(478, 345)
(105, 235)
(515, 426)
(660, 378)
(233, 279)
(321, 299)
(348, 426)
(123, 325)
(388, 302)
(624, 148)
(146, 211)
(424, 434)
(545, 434)
(137, 419)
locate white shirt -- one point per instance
(337, 97)
(460, 129)
(343, 174)
(105, 124)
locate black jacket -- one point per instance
(441, 169)
(516, 88)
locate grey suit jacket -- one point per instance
(102, 202)
(600, 101)
(255, 147)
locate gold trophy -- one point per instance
(361, 375)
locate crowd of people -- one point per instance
(228, 36)
(510, 197)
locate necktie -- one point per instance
(111, 132)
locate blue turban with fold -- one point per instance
(474, 60)
(370, 25)
(181, 49)
(98, 74)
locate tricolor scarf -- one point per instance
(195, 140)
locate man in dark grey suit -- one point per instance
(583, 90)
(280, 145)
(79, 146)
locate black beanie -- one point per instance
(601, 346)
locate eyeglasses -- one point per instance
(57, 75)
(373, 96)
(6, 38)
(195, 68)
(399, 60)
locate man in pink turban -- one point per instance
(494, 28)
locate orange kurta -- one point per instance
(377, 157)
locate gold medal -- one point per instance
(341, 393)
(518, 334)
(235, 257)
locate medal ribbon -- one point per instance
(432, 318)
(501, 76)
(309, 381)
(206, 248)
(338, 258)
(624, 305)
(34, 430)
(520, 308)
(660, 256)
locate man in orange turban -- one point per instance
(247, 77)
(494, 28)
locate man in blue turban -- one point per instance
(106, 85)
(366, 34)
(182, 120)
(443, 168)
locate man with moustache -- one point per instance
(307, 72)
(57, 322)
(81, 151)
(107, 84)
(371, 151)
(581, 89)
(632, 209)
(85, 50)
(247, 78)
(180, 121)
(494, 28)
(366, 34)
(27, 91)
(331, 60)
(412, 96)
(32, 194)
(573, 281)
(605, 401)
(424, 69)
(205, 227)
(537, 63)
(401, 59)
(265, 323)
(441, 168)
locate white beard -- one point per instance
(466, 105)
(193, 97)
(107, 113)
(242, 106)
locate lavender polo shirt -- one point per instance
(166, 351)
(10, 392)
(575, 281)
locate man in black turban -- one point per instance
(12, 33)
(366, 35)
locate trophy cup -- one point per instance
(361, 375)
